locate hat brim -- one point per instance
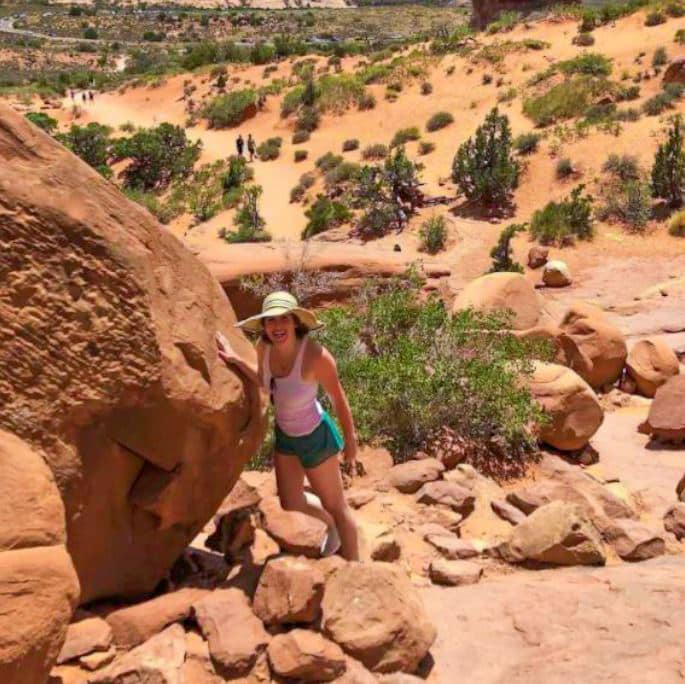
(304, 316)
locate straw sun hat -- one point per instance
(278, 304)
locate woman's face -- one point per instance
(280, 329)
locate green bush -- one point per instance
(563, 168)
(229, 109)
(156, 156)
(625, 166)
(328, 161)
(366, 101)
(270, 149)
(501, 253)
(630, 93)
(426, 147)
(527, 143)
(237, 174)
(484, 168)
(589, 64)
(629, 114)
(660, 57)
(426, 88)
(663, 100)
(668, 171)
(438, 121)
(680, 36)
(343, 172)
(164, 212)
(90, 33)
(350, 145)
(676, 226)
(388, 337)
(324, 214)
(561, 222)
(91, 143)
(292, 100)
(300, 137)
(248, 220)
(375, 151)
(308, 119)
(433, 235)
(584, 39)
(43, 120)
(404, 135)
(655, 18)
(675, 9)
(301, 155)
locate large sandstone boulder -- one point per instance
(574, 411)
(666, 418)
(651, 363)
(556, 274)
(373, 613)
(557, 533)
(504, 292)
(593, 347)
(38, 582)
(108, 365)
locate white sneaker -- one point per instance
(331, 542)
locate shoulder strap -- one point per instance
(297, 369)
(266, 367)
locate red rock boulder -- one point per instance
(651, 363)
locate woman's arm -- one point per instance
(327, 375)
(232, 358)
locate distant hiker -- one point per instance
(72, 95)
(240, 144)
(291, 366)
(251, 147)
(91, 97)
(84, 97)
(261, 101)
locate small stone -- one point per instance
(680, 489)
(633, 541)
(507, 512)
(96, 660)
(556, 274)
(84, 637)
(674, 520)
(385, 548)
(305, 655)
(360, 497)
(455, 496)
(451, 547)
(410, 476)
(537, 256)
(454, 573)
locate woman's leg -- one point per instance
(327, 484)
(290, 483)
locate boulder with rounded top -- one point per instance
(651, 363)
(666, 417)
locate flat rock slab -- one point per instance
(410, 476)
(589, 625)
(454, 573)
(295, 532)
(305, 655)
(457, 497)
(634, 541)
(452, 547)
(507, 511)
(84, 637)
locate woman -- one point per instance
(292, 367)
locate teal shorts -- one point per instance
(312, 449)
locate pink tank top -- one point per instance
(298, 412)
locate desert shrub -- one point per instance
(501, 253)
(328, 161)
(375, 151)
(43, 120)
(676, 225)
(433, 235)
(660, 57)
(301, 155)
(292, 100)
(229, 109)
(664, 100)
(426, 88)
(248, 220)
(270, 149)
(426, 147)
(157, 156)
(484, 168)
(584, 39)
(507, 95)
(438, 121)
(324, 214)
(404, 135)
(630, 93)
(487, 79)
(680, 36)
(237, 173)
(389, 336)
(505, 22)
(589, 63)
(655, 18)
(668, 171)
(298, 192)
(90, 33)
(627, 201)
(629, 114)
(337, 92)
(563, 168)
(561, 222)
(308, 119)
(565, 100)
(91, 143)
(675, 9)
(307, 180)
(343, 172)
(624, 166)
(300, 137)
(161, 210)
(350, 145)
(527, 143)
(366, 101)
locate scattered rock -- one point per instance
(84, 637)
(666, 418)
(502, 292)
(452, 547)
(234, 634)
(97, 659)
(454, 573)
(674, 520)
(680, 489)
(557, 533)
(355, 673)
(263, 547)
(234, 531)
(594, 348)
(537, 256)
(295, 532)
(508, 512)
(158, 660)
(410, 476)
(633, 541)
(132, 625)
(305, 655)
(556, 274)
(651, 363)
(372, 611)
(386, 549)
(574, 411)
(360, 497)
(450, 494)
(289, 591)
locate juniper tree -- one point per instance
(502, 252)
(484, 167)
(668, 172)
